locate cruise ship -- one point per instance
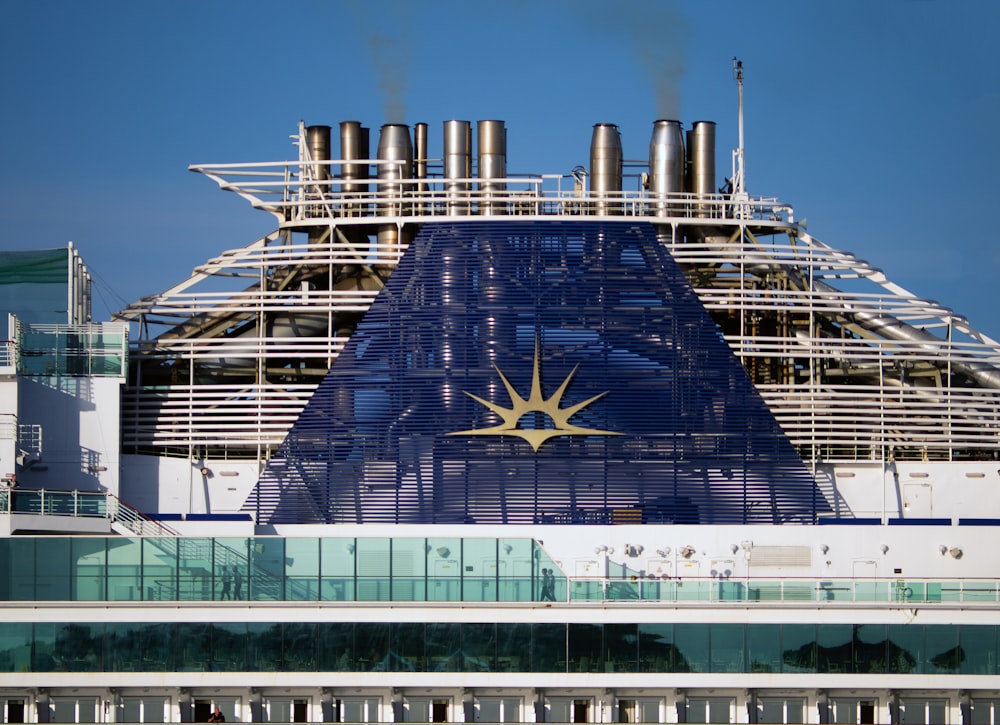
(458, 444)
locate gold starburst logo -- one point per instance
(535, 403)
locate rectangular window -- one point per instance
(301, 569)
(639, 711)
(621, 647)
(144, 709)
(781, 710)
(985, 712)
(287, 709)
(656, 648)
(73, 710)
(692, 653)
(566, 710)
(978, 651)
(710, 709)
(942, 649)
(852, 711)
(418, 710)
(585, 647)
(359, 709)
(727, 645)
(920, 711)
(511, 709)
(548, 651)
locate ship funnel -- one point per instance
(606, 168)
(354, 146)
(492, 166)
(395, 156)
(457, 165)
(318, 143)
(666, 164)
(701, 162)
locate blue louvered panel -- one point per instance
(695, 442)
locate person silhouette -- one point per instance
(548, 586)
(227, 579)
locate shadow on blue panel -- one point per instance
(526, 372)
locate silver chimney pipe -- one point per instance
(318, 143)
(395, 154)
(354, 146)
(457, 165)
(395, 147)
(666, 164)
(701, 162)
(420, 163)
(317, 139)
(606, 168)
(492, 165)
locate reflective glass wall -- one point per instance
(77, 568)
(500, 647)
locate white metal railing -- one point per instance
(80, 504)
(291, 192)
(8, 354)
(766, 590)
(859, 392)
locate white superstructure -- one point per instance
(885, 610)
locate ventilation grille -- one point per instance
(781, 556)
(594, 318)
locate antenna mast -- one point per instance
(741, 202)
(739, 172)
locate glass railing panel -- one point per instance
(301, 568)
(765, 591)
(266, 569)
(409, 588)
(618, 590)
(302, 589)
(587, 590)
(408, 566)
(655, 590)
(479, 589)
(871, 591)
(337, 589)
(444, 589)
(373, 589)
(516, 588)
(979, 591)
(727, 591)
(444, 569)
(798, 591)
(951, 591)
(689, 590)
(833, 591)
(480, 569)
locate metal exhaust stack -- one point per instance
(457, 165)
(318, 147)
(420, 164)
(606, 168)
(395, 156)
(354, 146)
(318, 142)
(492, 165)
(701, 163)
(666, 165)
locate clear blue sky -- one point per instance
(877, 120)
